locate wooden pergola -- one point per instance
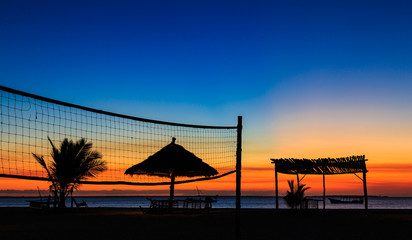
(322, 166)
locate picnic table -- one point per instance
(188, 203)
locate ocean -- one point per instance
(222, 202)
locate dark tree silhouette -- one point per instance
(72, 163)
(296, 194)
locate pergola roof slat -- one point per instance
(327, 166)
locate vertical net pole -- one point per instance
(365, 189)
(238, 162)
(238, 174)
(277, 188)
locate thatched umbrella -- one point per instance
(172, 161)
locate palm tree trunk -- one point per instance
(62, 198)
(62, 201)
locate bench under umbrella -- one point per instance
(172, 161)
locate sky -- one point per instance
(311, 79)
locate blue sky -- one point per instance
(205, 53)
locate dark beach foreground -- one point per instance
(120, 223)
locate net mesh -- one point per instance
(27, 121)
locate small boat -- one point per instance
(345, 199)
(39, 204)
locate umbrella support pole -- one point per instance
(172, 186)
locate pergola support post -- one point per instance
(324, 192)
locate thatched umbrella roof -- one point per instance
(172, 158)
(172, 161)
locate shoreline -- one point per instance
(133, 223)
(222, 202)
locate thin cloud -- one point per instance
(385, 168)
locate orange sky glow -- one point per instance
(382, 180)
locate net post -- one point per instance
(238, 162)
(238, 175)
(276, 188)
(365, 188)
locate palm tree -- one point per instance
(296, 194)
(71, 164)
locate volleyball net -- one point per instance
(27, 121)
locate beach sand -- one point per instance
(119, 223)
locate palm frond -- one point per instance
(42, 162)
(51, 143)
(291, 185)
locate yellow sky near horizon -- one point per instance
(384, 180)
